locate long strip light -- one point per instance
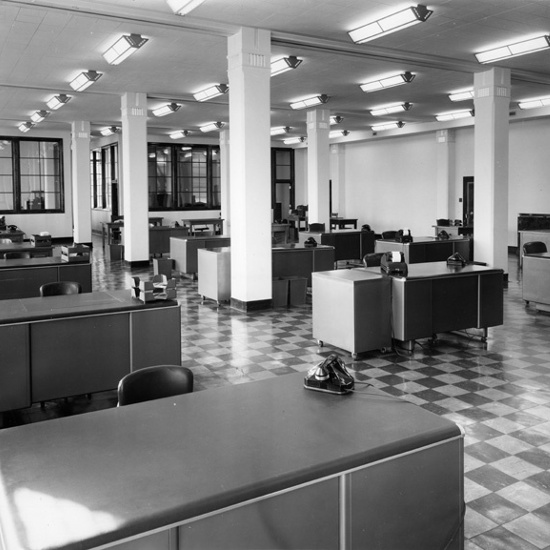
(57, 101)
(390, 109)
(462, 95)
(279, 130)
(123, 48)
(108, 130)
(179, 134)
(388, 82)
(212, 126)
(534, 103)
(210, 92)
(84, 79)
(167, 109)
(294, 140)
(310, 102)
(25, 126)
(391, 23)
(284, 64)
(338, 133)
(528, 45)
(455, 115)
(183, 7)
(39, 116)
(394, 125)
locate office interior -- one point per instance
(406, 177)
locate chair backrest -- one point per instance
(317, 227)
(6, 241)
(154, 383)
(389, 234)
(16, 255)
(372, 259)
(58, 288)
(534, 247)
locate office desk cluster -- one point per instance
(428, 249)
(267, 464)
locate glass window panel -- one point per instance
(6, 166)
(29, 148)
(30, 166)
(5, 148)
(282, 172)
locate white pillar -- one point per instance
(492, 102)
(318, 166)
(249, 57)
(134, 179)
(445, 173)
(82, 204)
(338, 178)
(225, 210)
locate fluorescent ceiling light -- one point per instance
(284, 64)
(391, 23)
(57, 101)
(463, 95)
(166, 109)
(388, 126)
(338, 133)
(310, 102)
(39, 116)
(294, 140)
(183, 7)
(108, 131)
(455, 115)
(529, 45)
(278, 130)
(212, 91)
(212, 126)
(534, 103)
(390, 109)
(179, 134)
(84, 79)
(388, 82)
(25, 126)
(336, 119)
(125, 46)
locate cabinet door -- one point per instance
(81, 273)
(15, 391)
(25, 282)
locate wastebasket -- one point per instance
(163, 266)
(116, 252)
(280, 292)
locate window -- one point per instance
(31, 175)
(282, 182)
(183, 177)
(104, 175)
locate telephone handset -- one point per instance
(330, 376)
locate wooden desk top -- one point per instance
(82, 481)
(18, 310)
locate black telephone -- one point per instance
(393, 263)
(456, 260)
(330, 376)
(404, 236)
(13, 227)
(310, 242)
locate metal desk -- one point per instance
(112, 237)
(215, 223)
(536, 280)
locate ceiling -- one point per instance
(45, 43)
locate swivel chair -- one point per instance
(17, 255)
(58, 288)
(154, 383)
(534, 247)
(390, 235)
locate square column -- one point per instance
(225, 209)
(492, 103)
(318, 166)
(134, 177)
(82, 204)
(249, 59)
(445, 140)
(338, 177)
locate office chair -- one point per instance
(17, 255)
(372, 259)
(154, 383)
(317, 227)
(389, 234)
(59, 288)
(534, 247)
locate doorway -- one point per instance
(468, 201)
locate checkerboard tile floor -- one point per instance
(498, 391)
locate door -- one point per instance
(468, 201)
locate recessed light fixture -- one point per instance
(462, 95)
(338, 133)
(25, 126)
(310, 102)
(528, 45)
(210, 92)
(166, 109)
(455, 115)
(284, 64)
(294, 140)
(123, 48)
(108, 131)
(39, 116)
(179, 134)
(534, 103)
(391, 23)
(57, 101)
(279, 130)
(183, 7)
(394, 125)
(388, 82)
(212, 126)
(390, 109)
(84, 79)
(336, 119)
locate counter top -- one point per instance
(439, 269)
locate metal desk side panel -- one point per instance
(536, 279)
(214, 272)
(15, 369)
